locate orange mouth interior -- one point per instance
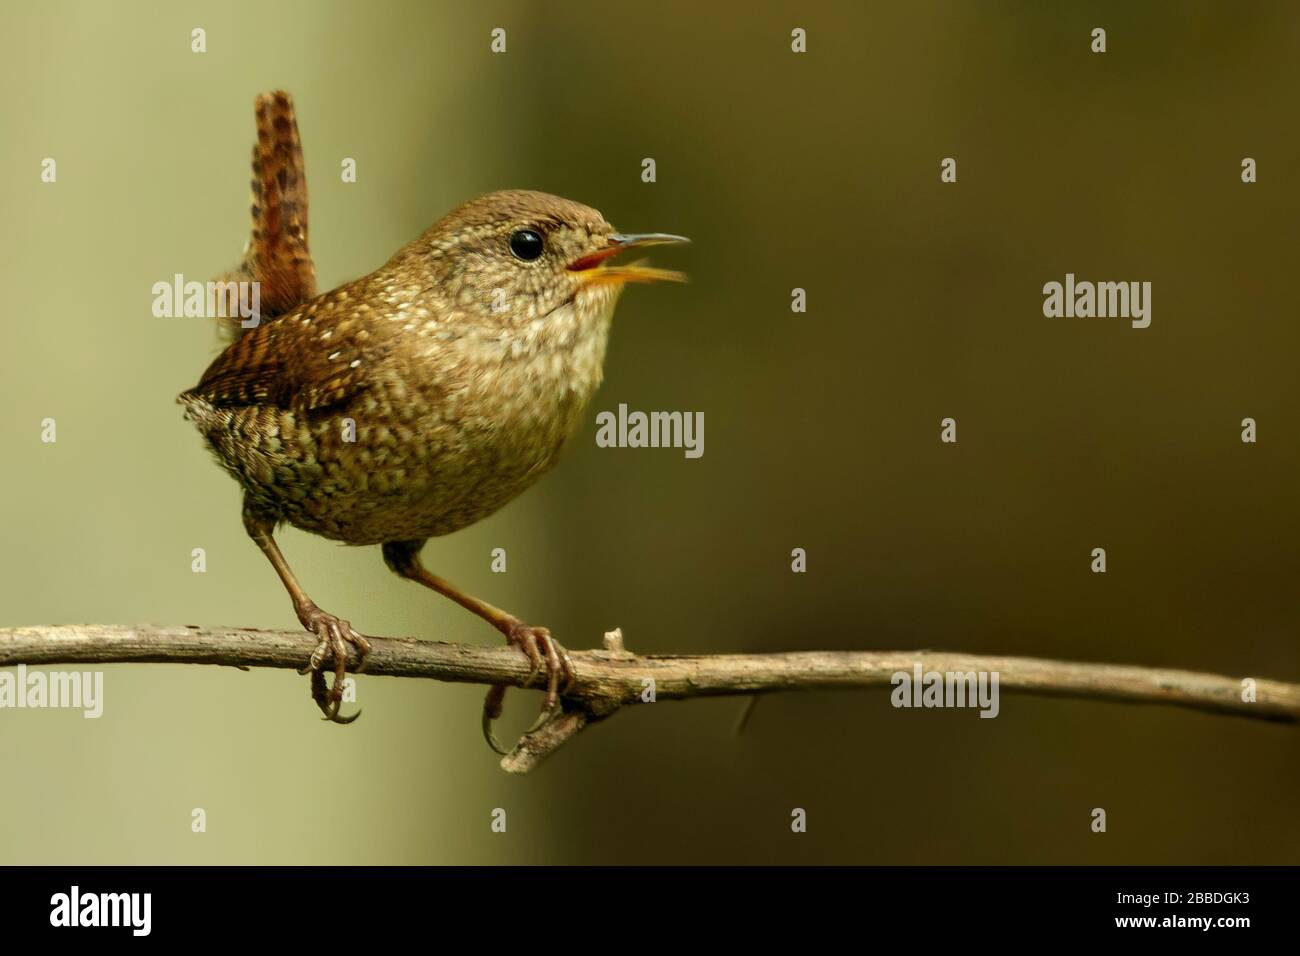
(596, 272)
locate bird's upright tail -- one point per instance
(277, 256)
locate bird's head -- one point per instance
(519, 255)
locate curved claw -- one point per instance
(491, 737)
(329, 706)
(325, 700)
(541, 650)
(496, 696)
(334, 637)
(545, 717)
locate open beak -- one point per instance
(596, 271)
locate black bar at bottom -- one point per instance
(575, 907)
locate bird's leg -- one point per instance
(542, 650)
(334, 633)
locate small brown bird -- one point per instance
(418, 399)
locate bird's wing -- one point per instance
(309, 359)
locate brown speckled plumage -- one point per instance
(454, 408)
(415, 400)
(278, 256)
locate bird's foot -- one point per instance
(335, 635)
(542, 651)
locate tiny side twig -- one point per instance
(610, 678)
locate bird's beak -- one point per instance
(595, 271)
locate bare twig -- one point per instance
(611, 678)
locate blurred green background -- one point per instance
(818, 171)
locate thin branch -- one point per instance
(611, 678)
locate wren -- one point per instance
(415, 400)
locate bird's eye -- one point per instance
(526, 244)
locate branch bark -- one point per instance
(611, 678)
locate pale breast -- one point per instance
(431, 454)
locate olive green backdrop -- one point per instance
(818, 171)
